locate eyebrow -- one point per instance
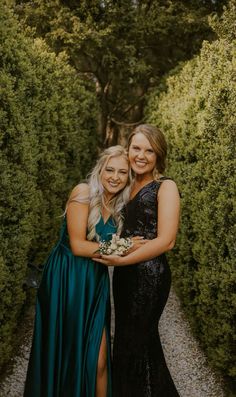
(136, 145)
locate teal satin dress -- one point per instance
(72, 310)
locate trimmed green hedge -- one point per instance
(48, 142)
(197, 113)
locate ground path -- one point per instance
(187, 363)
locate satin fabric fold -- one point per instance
(72, 310)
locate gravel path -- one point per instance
(187, 363)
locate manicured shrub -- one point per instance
(48, 142)
(197, 114)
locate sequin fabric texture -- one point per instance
(140, 295)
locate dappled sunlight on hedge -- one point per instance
(48, 142)
(197, 113)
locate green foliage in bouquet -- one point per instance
(116, 246)
(196, 109)
(47, 143)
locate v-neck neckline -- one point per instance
(105, 222)
(147, 184)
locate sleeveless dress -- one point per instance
(72, 310)
(140, 294)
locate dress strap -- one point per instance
(160, 180)
(63, 228)
(164, 178)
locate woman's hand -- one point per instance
(117, 260)
(137, 241)
(110, 260)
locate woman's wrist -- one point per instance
(121, 261)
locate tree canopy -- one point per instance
(123, 46)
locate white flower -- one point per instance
(121, 241)
(116, 246)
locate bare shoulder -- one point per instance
(81, 188)
(80, 193)
(168, 187)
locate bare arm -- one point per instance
(168, 221)
(77, 220)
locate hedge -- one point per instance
(48, 142)
(196, 109)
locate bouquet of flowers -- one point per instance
(116, 246)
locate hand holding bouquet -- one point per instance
(116, 246)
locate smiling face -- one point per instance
(114, 176)
(142, 156)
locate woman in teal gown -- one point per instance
(70, 355)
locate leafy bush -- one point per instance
(197, 113)
(48, 141)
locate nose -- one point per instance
(115, 176)
(141, 154)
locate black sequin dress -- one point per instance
(140, 294)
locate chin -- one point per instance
(138, 171)
(115, 191)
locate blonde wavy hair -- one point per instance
(96, 190)
(96, 193)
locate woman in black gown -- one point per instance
(142, 279)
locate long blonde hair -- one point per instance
(96, 190)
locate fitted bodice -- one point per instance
(140, 214)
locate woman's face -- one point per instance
(115, 175)
(142, 156)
